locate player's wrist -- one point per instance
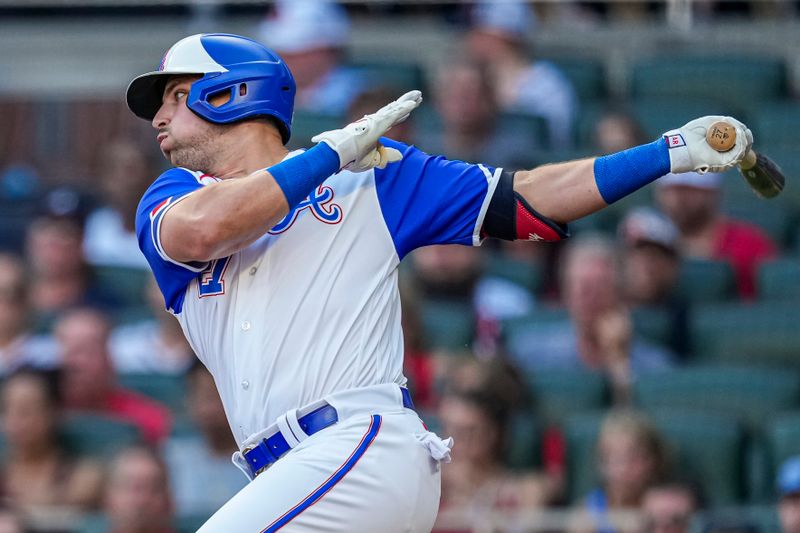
(301, 174)
(620, 174)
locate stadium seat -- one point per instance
(586, 74)
(15, 216)
(527, 125)
(784, 437)
(399, 76)
(305, 125)
(558, 394)
(526, 274)
(731, 79)
(748, 393)
(166, 389)
(779, 279)
(129, 287)
(654, 324)
(94, 523)
(775, 125)
(657, 114)
(708, 445)
(758, 333)
(97, 435)
(448, 325)
(703, 280)
(191, 523)
(523, 449)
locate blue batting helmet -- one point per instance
(259, 82)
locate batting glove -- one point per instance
(357, 143)
(689, 151)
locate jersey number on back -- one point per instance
(211, 280)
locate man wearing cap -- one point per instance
(651, 264)
(692, 200)
(789, 492)
(310, 35)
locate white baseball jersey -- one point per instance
(312, 307)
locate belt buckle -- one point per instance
(252, 447)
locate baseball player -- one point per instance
(282, 271)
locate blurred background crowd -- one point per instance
(643, 376)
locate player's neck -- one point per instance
(257, 147)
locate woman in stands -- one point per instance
(37, 474)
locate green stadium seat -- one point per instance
(775, 125)
(558, 394)
(97, 435)
(708, 445)
(306, 124)
(732, 79)
(191, 523)
(779, 279)
(526, 274)
(402, 76)
(128, 285)
(784, 437)
(657, 114)
(523, 449)
(94, 523)
(748, 393)
(448, 325)
(587, 75)
(534, 126)
(654, 324)
(706, 280)
(166, 389)
(760, 333)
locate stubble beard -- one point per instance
(200, 152)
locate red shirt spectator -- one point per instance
(745, 246)
(692, 200)
(89, 381)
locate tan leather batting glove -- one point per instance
(689, 150)
(357, 143)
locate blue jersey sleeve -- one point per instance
(432, 200)
(172, 276)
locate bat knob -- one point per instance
(721, 136)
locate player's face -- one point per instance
(184, 138)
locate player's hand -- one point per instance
(357, 143)
(689, 151)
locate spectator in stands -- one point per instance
(11, 522)
(470, 130)
(692, 201)
(615, 131)
(60, 276)
(668, 507)
(38, 474)
(199, 465)
(599, 334)
(651, 265)
(311, 36)
(498, 38)
(110, 238)
(477, 481)
(454, 275)
(89, 382)
(18, 345)
(137, 493)
(370, 100)
(789, 493)
(155, 345)
(632, 457)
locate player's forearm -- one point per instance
(567, 191)
(223, 217)
(562, 192)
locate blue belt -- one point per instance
(272, 448)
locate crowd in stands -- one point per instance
(537, 358)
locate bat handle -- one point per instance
(749, 160)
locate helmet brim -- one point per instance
(145, 93)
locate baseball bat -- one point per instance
(760, 172)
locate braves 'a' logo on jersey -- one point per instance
(320, 203)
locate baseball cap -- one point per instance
(645, 225)
(709, 180)
(789, 477)
(65, 203)
(300, 25)
(510, 18)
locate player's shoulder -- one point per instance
(184, 174)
